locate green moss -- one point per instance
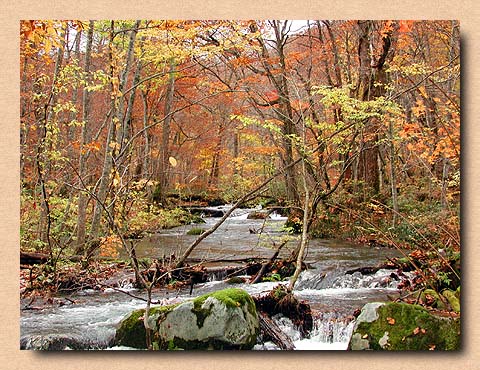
(438, 301)
(452, 299)
(235, 280)
(201, 313)
(131, 331)
(195, 231)
(232, 297)
(279, 292)
(402, 326)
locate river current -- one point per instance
(333, 295)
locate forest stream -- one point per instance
(333, 294)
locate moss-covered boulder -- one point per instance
(131, 330)
(226, 319)
(401, 326)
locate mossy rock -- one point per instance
(196, 231)
(131, 330)
(225, 319)
(231, 297)
(235, 280)
(196, 219)
(401, 326)
(432, 298)
(452, 299)
(257, 215)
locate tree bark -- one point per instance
(165, 147)
(371, 80)
(282, 108)
(112, 145)
(274, 333)
(82, 160)
(42, 162)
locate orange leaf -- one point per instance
(391, 320)
(405, 26)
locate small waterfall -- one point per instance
(331, 332)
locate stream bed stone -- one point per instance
(400, 326)
(225, 319)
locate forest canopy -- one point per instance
(352, 125)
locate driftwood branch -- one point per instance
(274, 333)
(260, 274)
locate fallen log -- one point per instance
(239, 260)
(262, 271)
(33, 258)
(279, 300)
(363, 270)
(271, 331)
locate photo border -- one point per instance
(11, 357)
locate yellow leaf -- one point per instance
(173, 161)
(423, 91)
(47, 46)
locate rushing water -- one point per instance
(333, 295)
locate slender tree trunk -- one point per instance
(445, 172)
(146, 151)
(215, 168)
(42, 162)
(82, 160)
(236, 150)
(336, 56)
(304, 238)
(165, 148)
(393, 175)
(285, 112)
(73, 115)
(112, 143)
(282, 107)
(126, 122)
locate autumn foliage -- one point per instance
(122, 117)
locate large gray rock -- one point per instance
(400, 326)
(225, 319)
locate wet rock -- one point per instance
(401, 326)
(453, 299)
(225, 319)
(58, 342)
(258, 215)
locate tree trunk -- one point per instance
(163, 178)
(112, 145)
(42, 163)
(282, 106)
(371, 80)
(393, 175)
(146, 152)
(304, 239)
(82, 160)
